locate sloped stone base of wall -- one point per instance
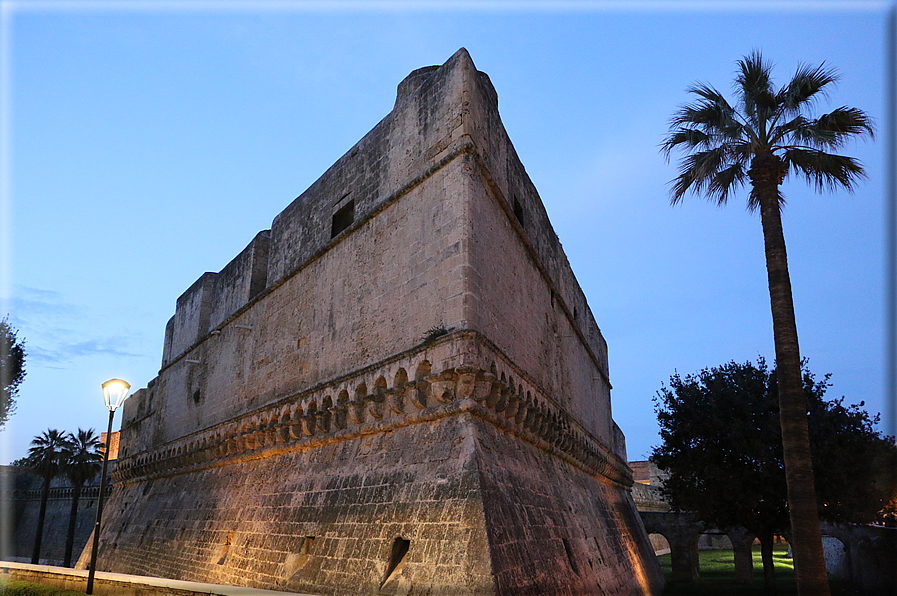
(478, 517)
(553, 529)
(324, 521)
(466, 480)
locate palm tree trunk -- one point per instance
(809, 563)
(39, 533)
(73, 517)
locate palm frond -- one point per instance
(83, 459)
(689, 137)
(754, 86)
(696, 171)
(825, 171)
(708, 115)
(725, 182)
(806, 84)
(834, 129)
(742, 150)
(708, 93)
(783, 130)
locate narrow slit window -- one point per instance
(343, 218)
(570, 558)
(400, 548)
(518, 211)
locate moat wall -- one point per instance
(398, 388)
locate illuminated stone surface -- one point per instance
(399, 388)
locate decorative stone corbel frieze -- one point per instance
(312, 418)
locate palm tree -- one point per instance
(768, 135)
(82, 463)
(45, 456)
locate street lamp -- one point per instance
(114, 392)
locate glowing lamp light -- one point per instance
(114, 392)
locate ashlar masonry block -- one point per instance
(397, 389)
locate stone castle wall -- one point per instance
(399, 388)
(22, 497)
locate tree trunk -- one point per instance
(769, 568)
(809, 563)
(39, 533)
(73, 517)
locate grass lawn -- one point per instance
(718, 572)
(14, 587)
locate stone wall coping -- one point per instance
(158, 582)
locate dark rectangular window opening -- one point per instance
(343, 218)
(518, 211)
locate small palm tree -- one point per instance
(766, 136)
(82, 462)
(45, 457)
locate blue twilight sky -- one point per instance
(147, 142)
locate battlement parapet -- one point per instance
(214, 297)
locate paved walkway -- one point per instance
(119, 584)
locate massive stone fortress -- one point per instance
(397, 389)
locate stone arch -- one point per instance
(714, 540)
(342, 398)
(400, 379)
(422, 371)
(659, 543)
(324, 414)
(837, 562)
(380, 385)
(357, 406)
(682, 532)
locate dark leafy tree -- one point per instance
(45, 456)
(82, 462)
(767, 135)
(12, 369)
(721, 445)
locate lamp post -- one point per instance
(114, 392)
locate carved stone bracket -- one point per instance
(312, 419)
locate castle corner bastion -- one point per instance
(397, 389)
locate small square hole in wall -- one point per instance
(300, 342)
(343, 218)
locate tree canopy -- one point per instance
(12, 369)
(721, 444)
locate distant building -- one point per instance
(646, 490)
